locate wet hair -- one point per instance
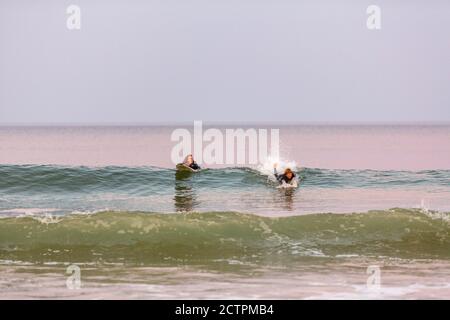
(287, 171)
(187, 157)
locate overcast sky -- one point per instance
(227, 60)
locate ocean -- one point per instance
(108, 200)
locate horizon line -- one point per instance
(219, 123)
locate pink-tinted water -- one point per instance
(379, 147)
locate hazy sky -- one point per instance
(227, 60)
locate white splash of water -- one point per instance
(266, 168)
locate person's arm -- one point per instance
(275, 173)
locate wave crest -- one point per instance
(146, 238)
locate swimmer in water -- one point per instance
(189, 162)
(287, 177)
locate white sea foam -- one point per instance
(15, 212)
(266, 168)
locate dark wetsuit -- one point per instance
(282, 178)
(194, 166)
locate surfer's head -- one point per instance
(289, 174)
(189, 159)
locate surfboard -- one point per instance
(182, 167)
(292, 184)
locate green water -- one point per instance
(204, 238)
